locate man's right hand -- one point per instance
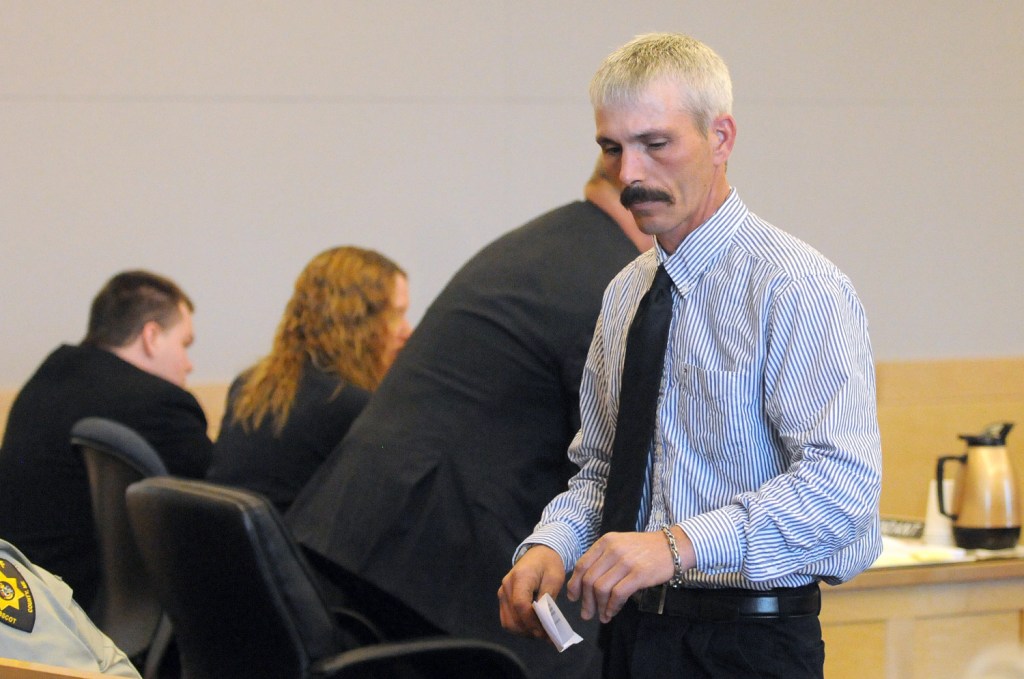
(538, 572)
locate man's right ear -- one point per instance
(149, 336)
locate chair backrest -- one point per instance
(126, 607)
(240, 594)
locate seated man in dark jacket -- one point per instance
(131, 367)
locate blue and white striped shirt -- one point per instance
(767, 451)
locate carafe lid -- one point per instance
(993, 435)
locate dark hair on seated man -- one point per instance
(127, 302)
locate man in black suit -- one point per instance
(464, 442)
(131, 367)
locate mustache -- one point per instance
(635, 193)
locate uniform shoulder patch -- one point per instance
(17, 607)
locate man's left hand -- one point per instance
(619, 564)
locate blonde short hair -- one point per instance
(702, 76)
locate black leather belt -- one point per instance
(723, 605)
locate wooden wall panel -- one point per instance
(922, 407)
(856, 649)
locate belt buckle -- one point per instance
(651, 599)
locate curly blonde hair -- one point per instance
(336, 321)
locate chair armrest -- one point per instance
(432, 657)
(359, 628)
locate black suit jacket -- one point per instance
(44, 491)
(464, 443)
(278, 465)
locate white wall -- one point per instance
(225, 142)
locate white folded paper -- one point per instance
(555, 624)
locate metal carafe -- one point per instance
(985, 508)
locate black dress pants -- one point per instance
(641, 645)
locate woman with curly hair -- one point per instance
(341, 330)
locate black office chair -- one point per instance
(245, 603)
(126, 607)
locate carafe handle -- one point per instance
(962, 459)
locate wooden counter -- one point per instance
(921, 621)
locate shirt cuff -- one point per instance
(556, 536)
(717, 542)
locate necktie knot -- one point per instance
(662, 281)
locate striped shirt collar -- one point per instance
(701, 249)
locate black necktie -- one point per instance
(638, 402)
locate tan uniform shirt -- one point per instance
(40, 621)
